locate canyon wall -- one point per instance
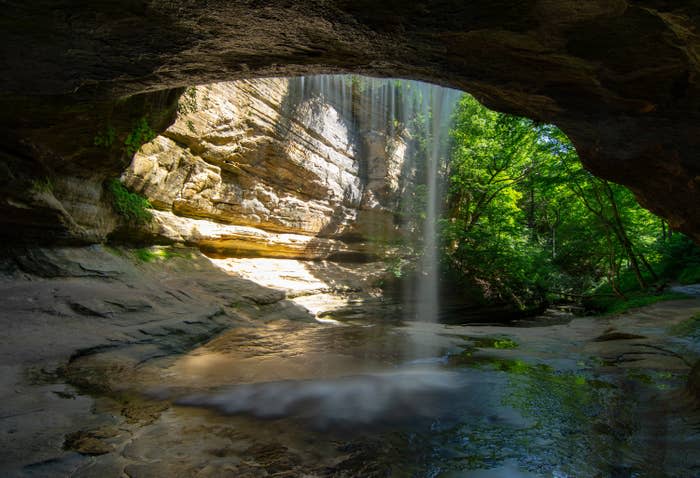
(266, 167)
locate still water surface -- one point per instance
(373, 399)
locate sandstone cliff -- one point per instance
(277, 169)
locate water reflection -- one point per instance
(493, 401)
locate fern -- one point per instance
(130, 206)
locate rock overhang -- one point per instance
(620, 78)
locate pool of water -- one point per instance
(368, 399)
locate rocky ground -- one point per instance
(60, 304)
(90, 333)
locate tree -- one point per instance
(484, 233)
(523, 216)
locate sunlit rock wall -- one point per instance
(259, 154)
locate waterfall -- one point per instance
(439, 103)
(417, 111)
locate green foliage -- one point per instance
(505, 343)
(660, 380)
(525, 221)
(617, 305)
(105, 139)
(43, 185)
(130, 206)
(396, 265)
(680, 258)
(140, 134)
(501, 343)
(690, 275)
(190, 126)
(541, 392)
(603, 300)
(359, 83)
(158, 253)
(145, 255)
(484, 235)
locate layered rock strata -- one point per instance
(252, 168)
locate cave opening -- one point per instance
(377, 180)
(224, 279)
(297, 210)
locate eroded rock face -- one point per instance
(619, 77)
(228, 240)
(297, 171)
(52, 169)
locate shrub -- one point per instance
(140, 134)
(680, 259)
(690, 275)
(43, 185)
(130, 206)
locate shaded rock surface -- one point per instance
(63, 306)
(52, 173)
(619, 77)
(258, 399)
(694, 380)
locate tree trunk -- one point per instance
(622, 236)
(648, 267)
(614, 269)
(663, 230)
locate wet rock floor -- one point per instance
(363, 396)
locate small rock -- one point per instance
(86, 443)
(266, 297)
